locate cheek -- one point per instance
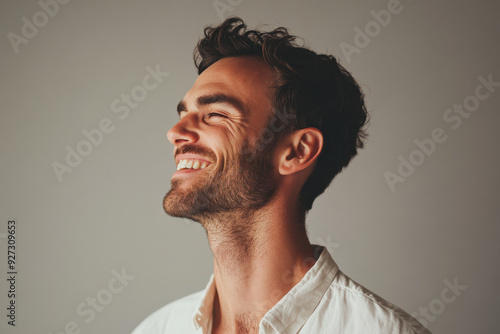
(226, 143)
(233, 135)
(234, 140)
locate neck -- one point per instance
(258, 257)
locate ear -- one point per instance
(300, 150)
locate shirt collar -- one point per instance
(202, 317)
(293, 310)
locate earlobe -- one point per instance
(300, 150)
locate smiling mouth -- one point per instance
(191, 164)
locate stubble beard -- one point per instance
(223, 198)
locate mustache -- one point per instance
(196, 149)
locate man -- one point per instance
(263, 131)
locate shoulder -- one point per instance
(174, 317)
(363, 311)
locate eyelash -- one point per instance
(214, 114)
(210, 115)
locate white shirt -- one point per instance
(324, 301)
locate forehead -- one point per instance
(249, 79)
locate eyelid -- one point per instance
(208, 114)
(216, 114)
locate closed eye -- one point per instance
(214, 114)
(213, 117)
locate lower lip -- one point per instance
(186, 171)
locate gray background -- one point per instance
(440, 224)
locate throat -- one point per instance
(232, 239)
(244, 323)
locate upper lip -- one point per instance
(190, 156)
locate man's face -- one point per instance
(220, 117)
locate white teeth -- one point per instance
(191, 164)
(181, 164)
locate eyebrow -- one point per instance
(213, 99)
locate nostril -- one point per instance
(181, 134)
(185, 130)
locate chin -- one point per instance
(185, 203)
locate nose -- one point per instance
(185, 131)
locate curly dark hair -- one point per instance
(314, 88)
